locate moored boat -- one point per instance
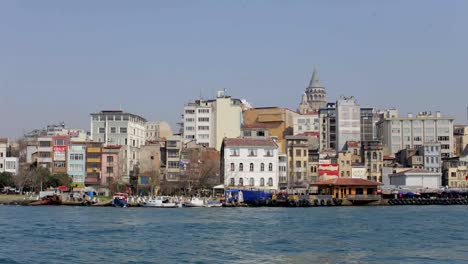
(195, 202)
(120, 200)
(161, 202)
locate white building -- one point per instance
(431, 155)
(121, 129)
(3, 153)
(411, 132)
(7, 164)
(308, 123)
(250, 163)
(417, 178)
(158, 130)
(348, 121)
(209, 121)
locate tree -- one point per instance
(6, 179)
(58, 179)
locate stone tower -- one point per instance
(314, 97)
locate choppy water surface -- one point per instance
(403, 234)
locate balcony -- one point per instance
(94, 160)
(94, 150)
(91, 170)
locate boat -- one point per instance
(120, 200)
(195, 202)
(161, 202)
(49, 200)
(214, 203)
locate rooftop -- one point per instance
(413, 171)
(248, 142)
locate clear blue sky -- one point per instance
(61, 60)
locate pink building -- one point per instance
(110, 164)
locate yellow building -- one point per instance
(455, 172)
(298, 157)
(279, 122)
(345, 164)
(354, 190)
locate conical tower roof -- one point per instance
(315, 80)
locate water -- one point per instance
(400, 234)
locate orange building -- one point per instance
(278, 121)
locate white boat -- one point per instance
(195, 202)
(161, 202)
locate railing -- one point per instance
(363, 197)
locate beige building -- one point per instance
(345, 164)
(460, 138)
(157, 130)
(455, 172)
(278, 121)
(208, 122)
(298, 155)
(372, 155)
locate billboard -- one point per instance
(59, 153)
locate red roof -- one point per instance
(346, 182)
(248, 142)
(352, 144)
(3, 140)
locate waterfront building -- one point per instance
(59, 156)
(157, 130)
(420, 178)
(372, 156)
(348, 120)
(77, 163)
(149, 168)
(249, 163)
(278, 121)
(173, 148)
(455, 172)
(93, 163)
(397, 133)
(122, 129)
(7, 163)
(110, 164)
(209, 121)
(3, 153)
(298, 156)
(315, 95)
(431, 156)
(282, 171)
(460, 134)
(328, 127)
(350, 189)
(354, 147)
(307, 124)
(44, 152)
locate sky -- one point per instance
(62, 60)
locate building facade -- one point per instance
(157, 130)
(44, 152)
(369, 119)
(306, 124)
(411, 132)
(110, 166)
(348, 120)
(372, 156)
(298, 157)
(250, 163)
(118, 128)
(328, 127)
(77, 163)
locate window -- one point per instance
(231, 182)
(233, 167)
(374, 155)
(262, 166)
(260, 133)
(262, 182)
(102, 130)
(203, 119)
(305, 153)
(59, 142)
(109, 170)
(354, 151)
(252, 181)
(241, 182)
(270, 181)
(123, 130)
(269, 153)
(252, 152)
(59, 164)
(247, 133)
(203, 128)
(44, 143)
(44, 154)
(76, 156)
(298, 152)
(110, 159)
(235, 152)
(298, 164)
(251, 167)
(76, 167)
(173, 164)
(113, 130)
(203, 111)
(190, 111)
(241, 166)
(190, 128)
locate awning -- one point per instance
(221, 186)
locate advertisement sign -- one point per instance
(59, 153)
